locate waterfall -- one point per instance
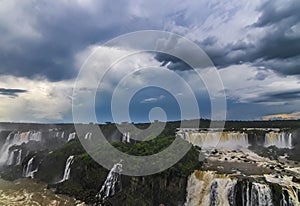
(111, 183)
(88, 136)
(261, 194)
(278, 139)
(28, 169)
(211, 139)
(231, 140)
(126, 137)
(17, 138)
(14, 157)
(290, 189)
(208, 188)
(10, 159)
(71, 136)
(19, 157)
(290, 145)
(67, 168)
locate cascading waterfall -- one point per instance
(290, 189)
(10, 159)
(112, 182)
(258, 194)
(88, 136)
(71, 136)
(28, 169)
(208, 188)
(232, 140)
(19, 157)
(208, 140)
(278, 139)
(17, 139)
(126, 137)
(67, 168)
(14, 157)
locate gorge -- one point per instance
(242, 166)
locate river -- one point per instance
(27, 192)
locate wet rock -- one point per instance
(296, 179)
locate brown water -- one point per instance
(27, 192)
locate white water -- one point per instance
(67, 168)
(28, 169)
(279, 139)
(208, 188)
(209, 140)
(17, 139)
(71, 136)
(19, 157)
(113, 179)
(289, 186)
(231, 140)
(126, 137)
(260, 194)
(14, 157)
(10, 159)
(88, 136)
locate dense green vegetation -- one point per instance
(87, 176)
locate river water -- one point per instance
(27, 192)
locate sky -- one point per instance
(254, 45)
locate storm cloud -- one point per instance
(11, 92)
(255, 46)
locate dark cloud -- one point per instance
(172, 62)
(11, 92)
(282, 96)
(277, 49)
(274, 12)
(64, 30)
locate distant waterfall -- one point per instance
(88, 136)
(67, 168)
(208, 188)
(209, 140)
(17, 138)
(126, 137)
(279, 140)
(19, 157)
(14, 157)
(71, 136)
(28, 169)
(232, 140)
(111, 183)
